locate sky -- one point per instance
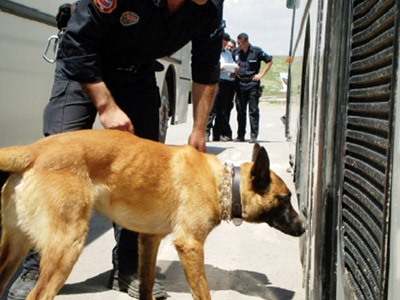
(267, 22)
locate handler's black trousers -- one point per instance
(221, 110)
(70, 109)
(248, 96)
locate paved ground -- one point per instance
(242, 263)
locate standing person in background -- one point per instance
(249, 58)
(226, 89)
(106, 66)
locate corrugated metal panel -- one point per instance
(367, 147)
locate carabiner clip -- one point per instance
(50, 40)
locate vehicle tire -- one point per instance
(164, 113)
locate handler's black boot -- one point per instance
(125, 282)
(23, 285)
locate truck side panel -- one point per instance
(25, 79)
(344, 108)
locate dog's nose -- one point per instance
(302, 226)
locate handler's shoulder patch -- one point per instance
(105, 6)
(129, 18)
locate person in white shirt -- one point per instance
(219, 117)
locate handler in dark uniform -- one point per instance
(249, 58)
(109, 48)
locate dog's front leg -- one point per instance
(148, 249)
(191, 254)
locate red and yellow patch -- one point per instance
(129, 18)
(105, 6)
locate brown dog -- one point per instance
(141, 185)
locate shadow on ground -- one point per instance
(244, 282)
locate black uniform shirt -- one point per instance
(250, 62)
(109, 34)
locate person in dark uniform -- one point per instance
(249, 58)
(106, 66)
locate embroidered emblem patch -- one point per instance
(129, 18)
(105, 6)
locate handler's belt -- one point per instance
(155, 66)
(245, 79)
(131, 68)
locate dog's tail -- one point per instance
(15, 159)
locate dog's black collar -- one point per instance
(236, 212)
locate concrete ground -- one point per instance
(242, 263)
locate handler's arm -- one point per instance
(111, 116)
(260, 75)
(82, 61)
(203, 96)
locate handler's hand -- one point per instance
(197, 139)
(114, 118)
(110, 115)
(257, 77)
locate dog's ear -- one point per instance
(256, 149)
(260, 173)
